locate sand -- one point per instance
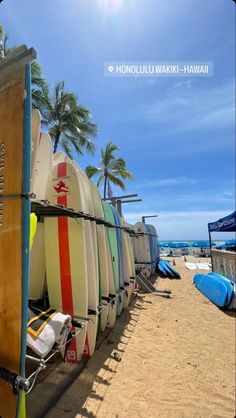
(177, 360)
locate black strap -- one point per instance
(92, 312)
(106, 298)
(13, 379)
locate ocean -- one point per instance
(219, 243)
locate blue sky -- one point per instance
(176, 134)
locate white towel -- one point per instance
(55, 331)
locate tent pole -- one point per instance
(209, 233)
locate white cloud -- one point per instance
(177, 181)
(186, 109)
(182, 225)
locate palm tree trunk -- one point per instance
(57, 138)
(105, 187)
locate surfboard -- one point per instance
(122, 266)
(37, 282)
(41, 165)
(92, 263)
(87, 207)
(35, 133)
(168, 268)
(131, 249)
(191, 266)
(203, 266)
(229, 283)
(214, 288)
(171, 269)
(15, 155)
(129, 276)
(143, 249)
(153, 245)
(102, 256)
(95, 285)
(151, 248)
(111, 316)
(114, 253)
(162, 268)
(66, 254)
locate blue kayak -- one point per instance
(214, 288)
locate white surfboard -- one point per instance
(37, 265)
(112, 308)
(143, 249)
(92, 260)
(191, 266)
(132, 256)
(41, 167)
(36, 123)
(66, 254)
(85, 205)
(42, 164)
(102, 256)
(203, 266)
(128, 271)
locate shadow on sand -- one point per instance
(59, 377)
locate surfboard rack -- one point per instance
(77, 324)
(109, 298)
(16, 381)
(20, 383)
(25, 196)
(25, 384)
(147, 286)
(43, 208)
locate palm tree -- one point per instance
(69, 123)
(39, 85)
(112, 170)
(3, 39)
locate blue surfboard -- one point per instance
(171, 269)
(229, 283)
(167, 268)
(162, 268)
(215, 289)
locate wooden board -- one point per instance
(12, 328)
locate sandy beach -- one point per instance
(177, 360)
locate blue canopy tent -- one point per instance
(226, 224)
